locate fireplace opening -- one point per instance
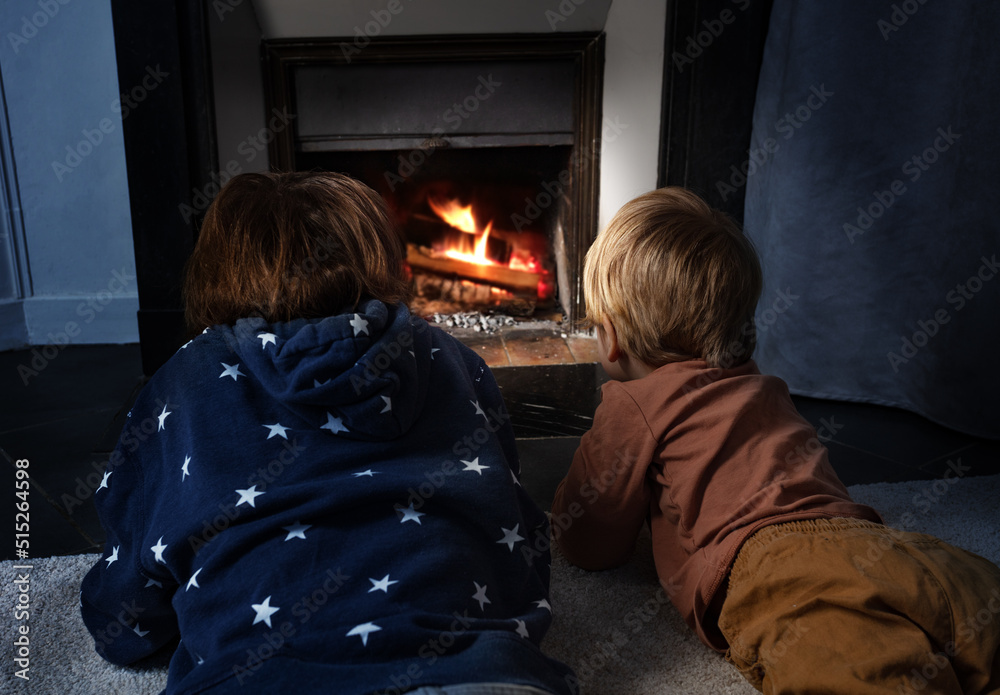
(463, 256)
(485, 149)
(483, 228)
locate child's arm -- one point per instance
(602, 503)
(125, 607)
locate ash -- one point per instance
(473, 320)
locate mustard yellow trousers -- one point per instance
(848, 606)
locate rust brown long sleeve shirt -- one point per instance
(707, 457)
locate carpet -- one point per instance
(615, 628)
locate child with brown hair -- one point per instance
(329, 498)
(755, 539)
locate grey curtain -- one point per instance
(872, 196)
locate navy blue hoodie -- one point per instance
(331, 504)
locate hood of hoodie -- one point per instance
(344, 372)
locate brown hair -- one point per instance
(678, 280)
(292, 245)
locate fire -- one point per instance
(452, 212)
(461, 217)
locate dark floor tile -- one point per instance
(536, 420)
(72, 496)
(551, 400)
(112, 432)
(545, 462)
(49, 531)
(56, 420)
(61, 450)
(61, 465)
(77, 377)
(53, 444)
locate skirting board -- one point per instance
(101, 318)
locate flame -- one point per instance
(528, 264)
(452, 212)
(460, 217)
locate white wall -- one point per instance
(633, 85)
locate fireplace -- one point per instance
(485, 148)
(481, 224)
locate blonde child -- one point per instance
(755, 539)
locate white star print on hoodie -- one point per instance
(300, 463)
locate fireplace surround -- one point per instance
(508, 125)
(198, 123)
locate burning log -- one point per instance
(435, 287)
(447, 295)
(516, 280)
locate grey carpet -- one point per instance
(614, 628)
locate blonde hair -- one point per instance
(678, 280)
